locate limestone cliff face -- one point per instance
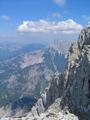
(77, 75)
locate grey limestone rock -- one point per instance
(77, 75)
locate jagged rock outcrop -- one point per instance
(51, 93)
(77, 75)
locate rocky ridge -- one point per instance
(77, 75)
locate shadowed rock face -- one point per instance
(77, 75)
(51, 93)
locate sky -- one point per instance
(42, 20)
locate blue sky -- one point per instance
(33, 20)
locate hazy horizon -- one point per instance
(42, 21)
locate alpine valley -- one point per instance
(25, 72)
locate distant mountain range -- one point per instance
(25, 71)
(9, 49)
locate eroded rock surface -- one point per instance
(77, 75)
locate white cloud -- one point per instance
(60, 2)
(67, 26)
(5, 17)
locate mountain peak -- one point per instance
(84, 38)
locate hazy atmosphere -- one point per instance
(42, 20)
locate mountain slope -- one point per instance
(26, 76)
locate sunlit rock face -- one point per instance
(77, 75)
